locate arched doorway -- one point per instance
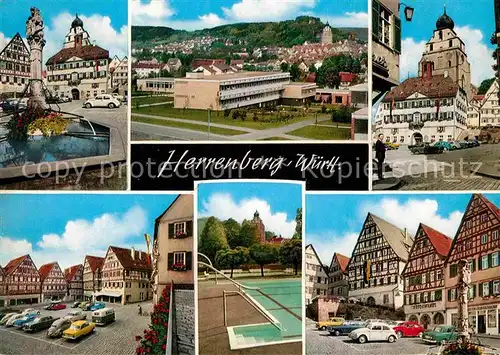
(370, 301)
(76, 94)
(438, 318)
(425, 320)
(413, 318)
(417, 138)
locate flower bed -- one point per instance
(53, 124)
(462, 349)
(154, 339)
(35, 121)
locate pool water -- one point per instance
(282, 300)
(78, 143)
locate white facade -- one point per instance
(390, 295)
(490, 111)
(483, 319)
(316, 277)
(159, 85)
(416, 119)
(119, 75)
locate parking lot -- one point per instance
(115, 338)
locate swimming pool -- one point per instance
(281, 300)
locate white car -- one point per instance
(12, 319)
(103, 100)
(30, 310)
(75, 315)
(375, 331)
(118, 97)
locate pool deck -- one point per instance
(212, 334)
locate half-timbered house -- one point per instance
(477, 241)
(53, 281)
(424, 277)
(22, 282)
(92, 276)
(15, 66)
(74, 278)
(125, 276)
(377, 262)
(338, 284)
(316, 276)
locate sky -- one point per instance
(474, 23)
(66, 227)
(276, 203)
(106, 22)
(195, 14)
(333, 222)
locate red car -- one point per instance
(409, 329)
(58, 306)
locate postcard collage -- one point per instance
(250, 177)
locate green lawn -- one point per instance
(191, 126)
(218, 117)
(150, 100)
(322, 133)
(334, 124)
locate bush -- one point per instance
(227, 113)
(243, 115)
(323, 109)
(236, 114)
(255, 117)
(466, 348)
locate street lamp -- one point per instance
(409, 11)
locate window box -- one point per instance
(179, 267)
(180, 235)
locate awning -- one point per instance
(107, 293)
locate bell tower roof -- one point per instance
(77, 22)
(445, 22)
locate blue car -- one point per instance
(20, 323)
(97, 305)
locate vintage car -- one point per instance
(58, 327)
(425, 148)
(78, 329)
(374, 331)
(409, 329)
(6, 317)
(76, 304)
(345, 328)
(330, 322)
(447, 146)
(83, 304)
(103, 316)
(11, 320)
(103, 100)
(75, 315)
(21, 322)
(39, 323)
(58, 306)
(50, 306)
(96, 306)
(30, 310)
(440, 334)
(6, 311)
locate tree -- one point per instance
(291, 253)
(212, 238)
(233, 230)
(263, 254)
(284, 67)
(248, 234)
(485, 85)
(295, 72)
(269, 235)
(232, 258)
(298, 225)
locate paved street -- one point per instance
(318, 342)
(115, 338)
(455, 170)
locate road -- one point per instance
(318, 342)
(115, 338)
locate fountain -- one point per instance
(40, 133)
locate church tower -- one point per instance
(77, 36)
(261, 229)
(445, 53)
(326, 35)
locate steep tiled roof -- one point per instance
(85, 52)
(343, 261)
(13, 264)
(45, 269)
(70, 272)
(139, 262)
(95, 262)
(436, 87)
(441, 242)
(399, 240)
(490, 204)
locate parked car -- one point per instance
(425, 148)
(6, 311)
(83, 305)
(86, 306)
(330, 322)
(441, 334)
(6, 317)
(30, 310)
(456, 145)
(11, 320)
(8, 106)
(78, 329)
(97, 305)
(409, 329)
(103, 100)
(446, 146)
(50, 305)
(58, 327)
(464, 144)
(39, 323)
(76, 304)
(103, 316)
(75, 315)
(58, 306)
(65, 99)
(119, 97)
(374, 331)
(19, 323)
(345, 328)
(391, 146)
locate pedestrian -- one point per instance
(140, 309)
(380, 156)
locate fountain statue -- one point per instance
(464, 279)
(36, 41)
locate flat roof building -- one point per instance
(159, 85)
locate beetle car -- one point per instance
(330, 322)
(11, 320)
(103, 100)
(409, 329)
(78, 329)
(75, 315)
(374, 331)
(39, 323)
(76, 304)
(6, 317)
(97, 305)
(19, 323)
(345, 328)
(58, 306)
(441, 334)
(58, 327)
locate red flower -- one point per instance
(138, 337)
(148, 349)
(164, 346)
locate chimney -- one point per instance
(132, 253)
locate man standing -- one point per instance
(380, 156)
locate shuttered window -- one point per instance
(375, 20)
(397, 34)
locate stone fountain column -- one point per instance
(463, 298)
(36, 41)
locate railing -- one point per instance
(237, 284)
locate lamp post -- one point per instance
(409, 11)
